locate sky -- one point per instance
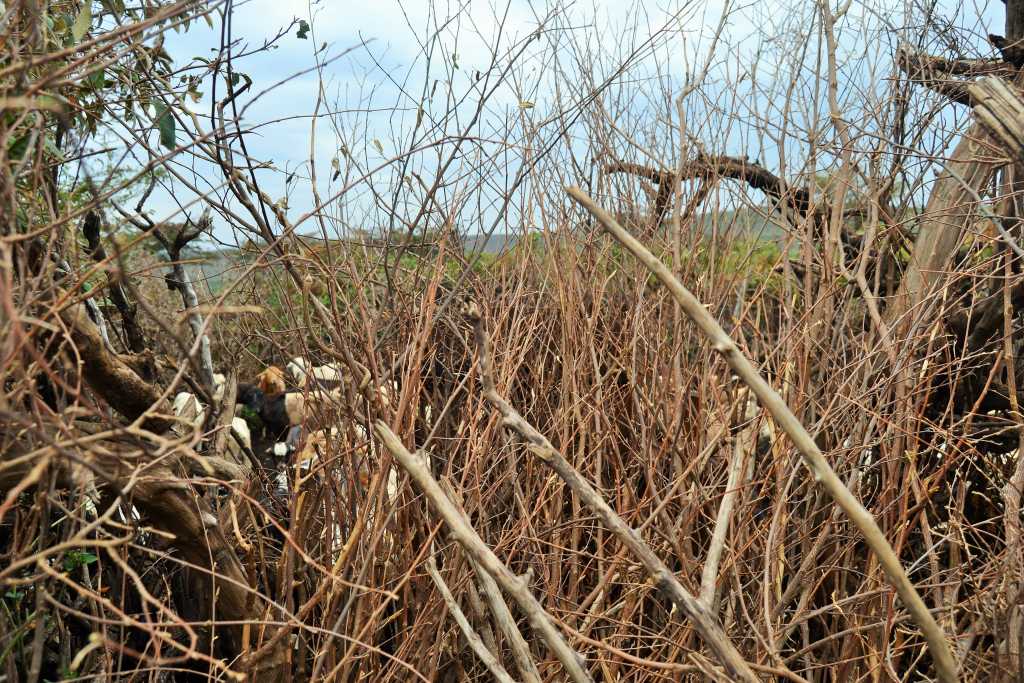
(375, 72)
(376, 62)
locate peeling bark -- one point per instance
(943, 222)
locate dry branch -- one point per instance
(112, 378)
(721, 166)
(541, 621)
(1001, 110)
(945, 664)
(178, 279)
(709, 575)
(149, 472)
(133, 333)
(946, 215)
(704, 622)
(486, 656)
(499, 609)
(936, 73)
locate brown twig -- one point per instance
(944, 663)
(539, 445)
(468, 538)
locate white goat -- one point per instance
(325, 374)
(188, 407)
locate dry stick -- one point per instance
(705, 624)
(499, 609)
(1000, 109)
(478, 550)
(1012, 490)
(945, 665)
(709, 575)
(485, 655)
(195, 321)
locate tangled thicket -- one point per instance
(482, 393)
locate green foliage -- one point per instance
(251, 417)
(76, 559)
(83, 22)
(303, 32)
(165, 124)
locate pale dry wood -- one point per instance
(499, 609)
(709, 574)
(183, 283)
(938, 645)
(941, 226)
(467, 537)
(486, 656)
(1000, 109)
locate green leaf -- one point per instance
(82, 22)
(51, 148)
(77, 558)
(96, 80)
(380, 147)
(525, 104)
(16, 150)
(237, 77)
(165, 124)
(303, 31)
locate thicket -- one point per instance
(551, 462)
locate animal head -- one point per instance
(252, 397)
(271, 380)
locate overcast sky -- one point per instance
(384, 40)
(382, 47)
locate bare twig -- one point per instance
(541, 621)
(486, 656)
(539, 445)
(944, 663)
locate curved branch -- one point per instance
(110, 377)
(937, 73)
(141, 467)
(719, 166)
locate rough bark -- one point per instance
(941, 226)
(156, 483)
(1000, 109)
(110, 377)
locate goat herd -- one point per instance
(292, 413)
